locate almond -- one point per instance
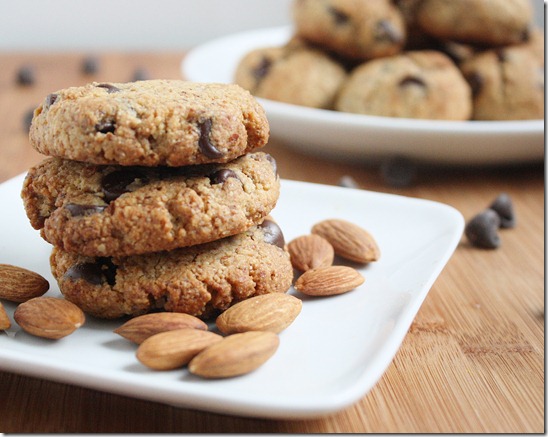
(235, 355)
(19, 285)
(349, 240)
(142, 327)
(49, 317)
(310, 252)
(4, 319)
(173, 349)
(268, 312)
(327, 281)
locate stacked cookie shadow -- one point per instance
(155, 197)
(427, 59)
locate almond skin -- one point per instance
(49, 317)
(142, 327)
(235, 355)
(349, 240)
(310, 252)
(19, 285)
(328, 281)
(4, 319)
(268, 312)
(173, 349)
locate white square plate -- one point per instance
(329, 358)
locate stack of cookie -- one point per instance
(155, 197)
(427, 59)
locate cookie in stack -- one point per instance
(155, 197)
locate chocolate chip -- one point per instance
(204, 143)
(83, 210)
(262, 69)
(97, 273)
(119, 182)
(398, 171)
(50, 100)
(501, 55)
(110, 88)
(90, 65)
(105, 126)
(481, 231)
(411, 80)
(222, 175)
(385, 31)
(27, 119)
(272, 233)
(476, 82)
(25, 75)
(502, 205)
(140, 74)
(339, 16)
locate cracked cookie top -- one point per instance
(149, 123)
(116, 211)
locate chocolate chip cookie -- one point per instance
(358, 29)
(421, 84)
(116, 211)
(480, 22)
(293, 74)
(199, 280)
(507, 83)
(149, 123)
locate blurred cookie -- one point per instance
(507, 84)
(292, 74)
(115, 211)
(149, 123)
(199, 280)
(479, 22)
(420, 84)
(357, 29)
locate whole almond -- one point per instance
(142, 327)
(349, 240)
(310, 252)
(328, 281)
(19, 285)
(235, 355)
(268, 312)
(4, 319)
(173, 349)
(49, 317)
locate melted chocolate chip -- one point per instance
(222, 175)
(110, 88)
(118, 182)
(262, 69)
(50, 100)
(97, 273)
(272, 233)
(501, 55)
(411, 80)
(339, 16)
(204, 143)
(105, 126)
(83, 210)
(385, 31)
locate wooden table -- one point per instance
(473, 360)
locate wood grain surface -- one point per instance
(472, 361)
